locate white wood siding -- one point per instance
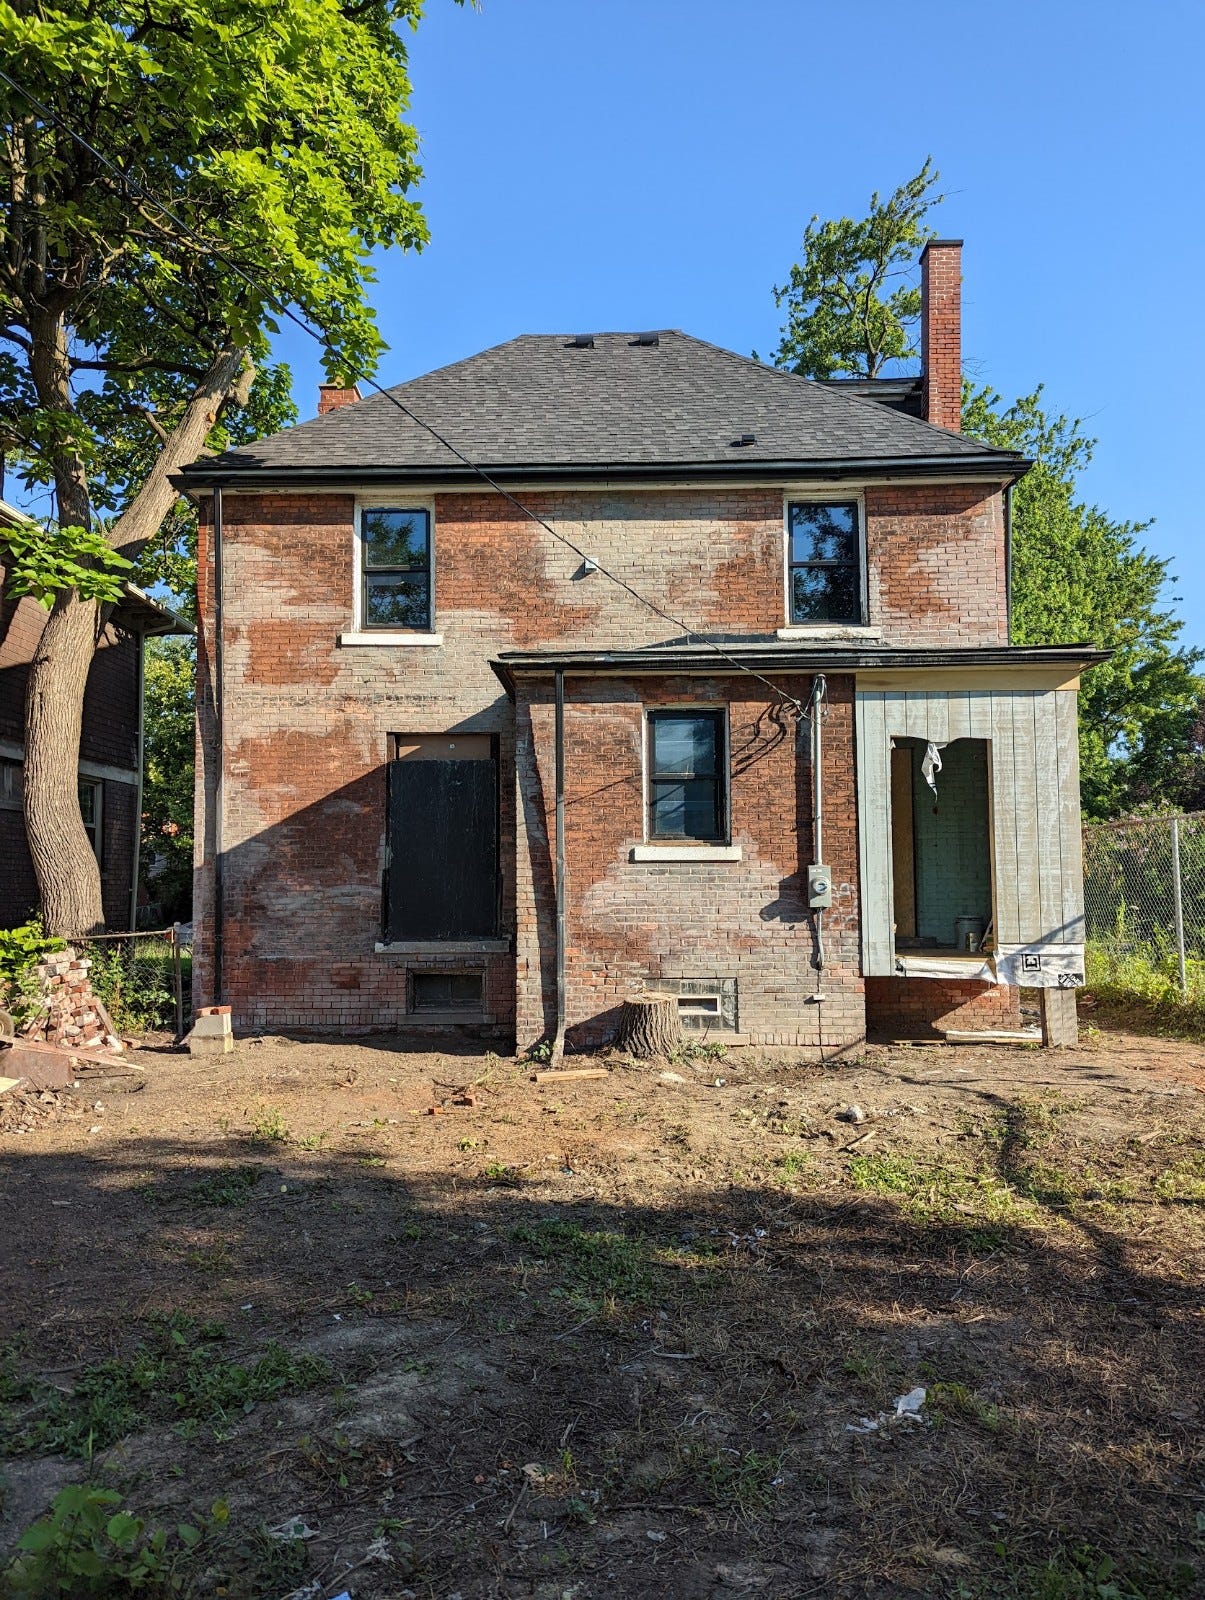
(1034, 766)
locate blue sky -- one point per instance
(627, 164)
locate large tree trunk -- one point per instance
(67, 870)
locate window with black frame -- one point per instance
(687, 777)
(395, 558)
(825, 561)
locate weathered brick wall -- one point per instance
(629, 923)
(308, 724)
(936, 562)
(919, 1007)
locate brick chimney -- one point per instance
(941, 332)
(333, 395)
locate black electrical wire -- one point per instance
(285, 309)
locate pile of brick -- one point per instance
(70, 1016)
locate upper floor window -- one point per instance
(395, 561)
(824, 561)
(687, 775)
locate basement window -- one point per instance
(445, 992)
(705, 1005)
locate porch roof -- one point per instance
(720, 657)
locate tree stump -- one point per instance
(649, 1025)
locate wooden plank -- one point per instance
(959, 714)
(874, 834)
(571, 1072)
(1046, 790)
(979, 705)
(952, 678)
(903, 843)
(1004, 821)
(1029, 910)
(1060, 1021)
(1070, 826)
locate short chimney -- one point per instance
(333, 395)
(941, 332)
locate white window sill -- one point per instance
(384, 636)
(829, 630)
(687, 852)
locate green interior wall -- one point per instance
(952, 843)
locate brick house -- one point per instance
(404, 667)
(110, 757)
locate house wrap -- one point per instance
(691, 586)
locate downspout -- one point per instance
(819, 692)
(558, 1042)
(1008, 563)
(218, 717)
(138, 787)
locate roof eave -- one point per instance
(1001, 466)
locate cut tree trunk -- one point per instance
(649, 1025)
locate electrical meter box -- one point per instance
(820, 887)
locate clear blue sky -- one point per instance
(649, 163)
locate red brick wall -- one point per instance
(308, 725)
(936, 562)
(919, 1007)
(630, 923)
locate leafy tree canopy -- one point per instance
(852, 301)
(275, 132)
(1078, 576)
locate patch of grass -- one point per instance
(1185, 1180)
(229, 1186)
(797, 1166)
(312, 1141)
(948, 1400)
(934, 1193)
(592, 1264)
(175, 1376)
(698, 1050)
(1081, 1573)
(1139, 985)
(743, 1482)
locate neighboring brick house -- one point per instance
(110, 756)
(385, 637)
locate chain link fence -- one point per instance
(1144, 894)
(144, 980)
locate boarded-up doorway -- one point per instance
(941, 853)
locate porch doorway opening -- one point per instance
(941, 852)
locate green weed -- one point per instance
(269, 1128)
(175, 1376)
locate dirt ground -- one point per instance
(408, 1323)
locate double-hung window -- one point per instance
(395, 564)
(91, 805)
(824, 561)
(687, 776)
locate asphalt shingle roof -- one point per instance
(537, 401)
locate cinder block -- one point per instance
(210, 1044)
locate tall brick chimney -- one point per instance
(941, 331)
(333, 395)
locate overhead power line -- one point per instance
(285, 309)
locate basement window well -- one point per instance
(941, 854)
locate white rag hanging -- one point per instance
(931, 765)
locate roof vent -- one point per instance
(581, 341)
(647, 339)
(743, 440)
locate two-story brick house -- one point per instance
(732, 620)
